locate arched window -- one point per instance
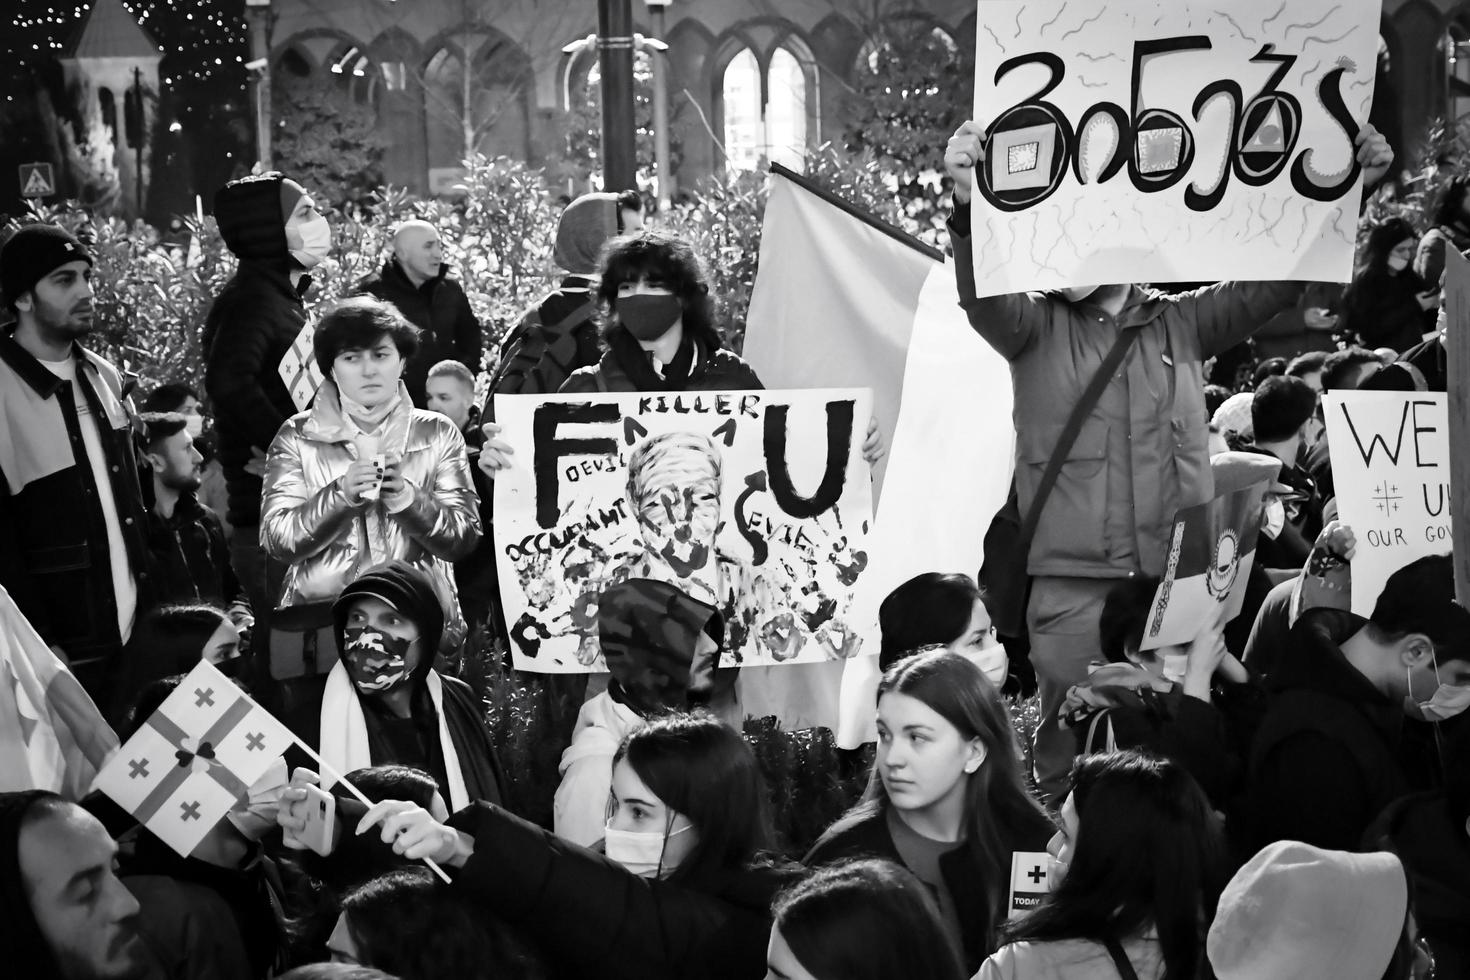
(476, 99)
(765, 117)
(294, 64)
(744, 129)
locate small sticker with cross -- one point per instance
(1030, 880)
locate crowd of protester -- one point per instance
(1287, 795)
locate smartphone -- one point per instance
(381, 462)
(321, 818)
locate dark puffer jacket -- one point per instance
(250, 327)
(448, 328)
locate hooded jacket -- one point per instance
(624, 367)
(1326, 758)
(448, 328)
(1143, 452)
(308, 522)
(249, 328)
(590, 917)
(648, 631)
(414, 741)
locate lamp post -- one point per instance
(257, 17)
(615, 58)
(659, 58)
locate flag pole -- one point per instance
(326, 770)
(866, 217)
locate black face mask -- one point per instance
(649, 316)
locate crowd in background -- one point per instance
(1284, 796)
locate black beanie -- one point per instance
(648, 631)
(251, 216)
(405, 588)
(32, 254)
(26, 951)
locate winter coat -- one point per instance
(54, 557)
(1072, 959)
(981, 904)
(1143, 452)
(448, 327)
(308, 522)
(713, 370)
(250, 327)
(591, 917)
(1383, 310)
(190, 557)
(1119, 706)
(1326, 758)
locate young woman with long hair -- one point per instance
(947, 798)
(859, 920)
(1142, 862)
(1387, 304)
(683, 889)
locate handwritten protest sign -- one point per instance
(1166, 141)
(755, 502)
(1457, 356)
(1211, 553)
(1391, 466)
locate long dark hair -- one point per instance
(1381, 241)
(667, 261)
(928, 608)
(865, 920)
(1149, 852)
(702, 768)
(409, 925)
(168, 640)
(999, 811)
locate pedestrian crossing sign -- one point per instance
(37, 180)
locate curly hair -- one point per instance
(658, 259)
(358, 324)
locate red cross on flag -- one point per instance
(194, 758)
(299, 370)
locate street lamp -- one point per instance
(662, 164)
(257, 17)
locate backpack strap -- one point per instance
(1120, 958)
(581, 313)
(1073, 428)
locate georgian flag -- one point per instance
(298, 368)
(843, 300)
(194, 758)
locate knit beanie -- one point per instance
(648, 631)
(252, 212)
(584, 227)
(26, 951)
(405, 588)
(1235, 414)
(1301, 912)
(32, 254)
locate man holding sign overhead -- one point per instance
(1138, 455)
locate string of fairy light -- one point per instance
(203, 42)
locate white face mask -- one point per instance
(1175, 665)
(1273, 518)
(1447, 700)
(1397, 263)
(993, 662)
(640, 852)
(255, 816)
(315, 237)
(194, 425)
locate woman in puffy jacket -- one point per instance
(363, 477)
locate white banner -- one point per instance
(756, 502)
(1169, 141)
(1391, 467)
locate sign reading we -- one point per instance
(1391, 466)
(1169, 141)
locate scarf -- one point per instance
(344, 736)
(366, 419)
(637, 363)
